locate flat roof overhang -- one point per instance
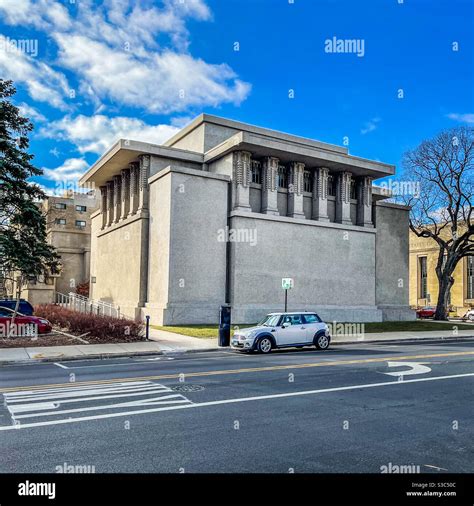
(123, 152)
(288, 151)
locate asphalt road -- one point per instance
(343, 410)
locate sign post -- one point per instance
(286, 284)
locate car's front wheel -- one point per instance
(322, 342)
(471, 317)
(264, 345)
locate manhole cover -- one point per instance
(186, 388)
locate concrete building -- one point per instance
(68, 227)
(223, 211)
(424, 282)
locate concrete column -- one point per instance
(269, 186)
(295, 191)
(110, 202)
(103, 206)
(134, 173)
(343, 198)
(364, 202)
(87, 265)
(241, 180)
(144, 172)
(117, 198)
(125, 194)
(320, 194)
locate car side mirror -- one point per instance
(286, 324)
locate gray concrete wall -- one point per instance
(308, 206)
(256, 199)
(205, 137)
(333, 268)
(282, 202)
(117, 264)
(188, 209)
(159, 163)
(223, 166)
(392, 261)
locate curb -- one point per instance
(107, 356)
(407, 340)
(100, 356)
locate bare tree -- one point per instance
(442, 210)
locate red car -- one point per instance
(426, 312)
(22, 325)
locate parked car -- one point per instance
(469, 315)
(426, 312)
(24, 308)
(23, 324)
(282, 330)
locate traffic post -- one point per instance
(224, 326)
(287, 284)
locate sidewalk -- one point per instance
(169, 342)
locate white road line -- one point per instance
(99, 391)
(76, 388)
(167, 399)
(233, 401)
(23, 407)
(61, 365)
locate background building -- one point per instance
(68, 227)
(424, 282)
(290, 207)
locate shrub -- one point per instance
(97, 328)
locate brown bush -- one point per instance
(98, 328)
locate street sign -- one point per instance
(287, 283)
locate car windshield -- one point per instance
(270, 320)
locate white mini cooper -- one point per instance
(281, 330)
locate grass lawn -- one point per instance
(211, 331)
(205, 331)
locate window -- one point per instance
(60, 221)
(294, 319)
(307, 181)
(353, 190)
(81, 209)
(60, 205)
(331, 185)
(423, 276)
(80, 223)
(256, 171)
(470, 277)
(282, 177)
(270, 320)
(311, 318)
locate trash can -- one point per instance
(224, 326)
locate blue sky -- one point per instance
(141, 69)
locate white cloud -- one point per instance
(42, 82)
(160, 83)
(96, 134)
(30, 112)
(71, 170)
(463, 118)
(41, 14)
(131, 53)
(370, 126)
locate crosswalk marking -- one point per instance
(53, 403)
